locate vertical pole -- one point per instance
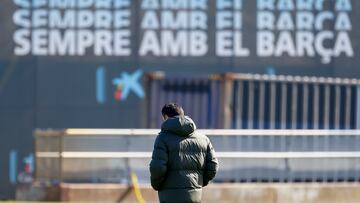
(153, 100)
(294, 105)
(239, 105)
(35, 157)
(316, 107)
(357, 121)
(283, 105)
(348, 107)
(305, 106)
(272, 104)
(327, 107)
(357, 117)
(305, 113)
(226, 100)
(262, 105)
(61, 145)
(286, 173)
(337, 107)
(251, 105)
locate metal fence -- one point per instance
(109, 155)
(199, 96)
(279, 102)
(245, 101)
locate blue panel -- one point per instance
(12, 166)
(100, 85)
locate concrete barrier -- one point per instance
(223, 193)
(36, 192)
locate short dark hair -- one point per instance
(172, 109)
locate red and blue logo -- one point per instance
(125, 84)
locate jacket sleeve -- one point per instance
(158, 164)
(212, 165)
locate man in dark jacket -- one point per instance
(183, 160)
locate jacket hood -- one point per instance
(180, 125)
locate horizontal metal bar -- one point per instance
(111, 131)
(294, 79)
(238, 155)
(217, 132)
(47, 154)
(160, 75)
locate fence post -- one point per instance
(61, 146)
(226, 101)
(357, 117)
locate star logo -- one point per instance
(127, 83)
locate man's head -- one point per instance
(170, 110)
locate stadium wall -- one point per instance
(59, 73)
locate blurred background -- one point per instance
(277, 79)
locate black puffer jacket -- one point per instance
(183, 161)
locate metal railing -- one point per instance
(109, 155)
(253, 101)
(288, 102)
